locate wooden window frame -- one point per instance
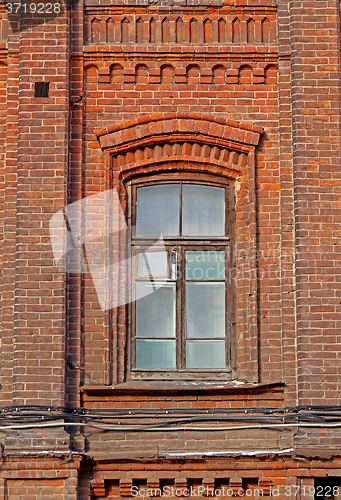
(181, 244)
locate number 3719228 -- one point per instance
(321, 492)
(33, 8)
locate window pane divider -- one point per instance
(185, 239)
(204, 281)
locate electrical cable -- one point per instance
(140, 429)
(159, 422)
(252, 409)
(170, 419)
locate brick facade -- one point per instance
(245, 92)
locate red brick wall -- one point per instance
(38, 479)
(288, 282)
(51, 478)
(215, 82)
(9, 195)
(276, 66)
(37, 489)
(279, 477)
(3, 99)
(74, 315)
(39, 310)
(317, 180)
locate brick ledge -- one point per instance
(167, 386)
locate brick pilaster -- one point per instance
(315, 68)
(10, 148)
(40, 288)
(288, 305)
(74, 312)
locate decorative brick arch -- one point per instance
(196, 143)
(147, 142)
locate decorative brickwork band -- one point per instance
(192, 74)
(171, 29)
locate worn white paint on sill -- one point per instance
(233, 452)
(218, 385)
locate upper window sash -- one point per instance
(176, 210)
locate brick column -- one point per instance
(9, 191)
(288, 305)
(315, 70)
(74, 312)
(39, 314)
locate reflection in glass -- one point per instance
(205, 310)
(202, 265)
(203, 210)
(155, 312)
(152, 264)
(205, 354)
(158, 210)
(174, 264)
(155, 353)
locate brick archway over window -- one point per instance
(197, 143)
(221, 145)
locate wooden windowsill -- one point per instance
(182, 386)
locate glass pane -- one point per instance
(203, 210)
(155, 353)
(174, 264)
(205, 354)
(158, 210)
(155, 310)
(205, 310)
(203, 265)
(152, 264)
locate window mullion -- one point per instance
(183, 307)
(181, 323)
(180, 211)
(228, 312)
(181, 319)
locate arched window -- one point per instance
(190, 179)
(182, 297)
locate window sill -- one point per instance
(182, 386)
